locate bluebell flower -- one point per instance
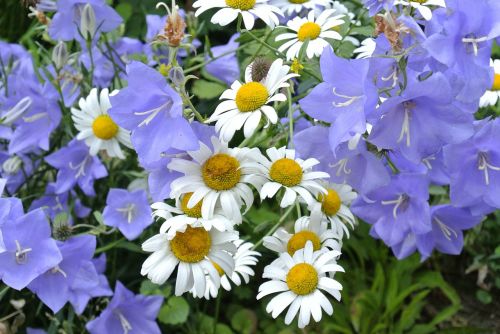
(18, 57)
(10, 209)
(30, 250)
(128, 313)
(474, 167)
(74, 273)
(396, 209)
(104, 69)
(128, 211)
(225, 68)
(153, 111)
(376, 6)
(76, 166)
(15, 169)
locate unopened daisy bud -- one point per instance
(177, 76)
(61, 229)
(260, 67)
(12, 165)
(88, 22)
(60, 55)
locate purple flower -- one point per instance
(375, 6)
(128, 211)
(76, 166)
(474, 167)
(74, 274)
(128, 312)
(10, 209)
(226, 67)
(15, 169)
(421, 120)
(66, 23)
(153, 111)
(343, 98)
(104, 70)
(397, 209)
(30, 251)
(15, 54)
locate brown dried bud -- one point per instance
(174, 29)
(388, 25)
(259, 68)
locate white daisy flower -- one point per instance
(290, 7)
(490, 97)
(249, 9)
(422, 6)
(219, 178)
(192, 253)
(245, 103)
(300, 284)
(366, 49)
(185, 216)
(334, 208)
(314, 30)
(97, 128)
(244, 259)
(304, 230)
(292, 174)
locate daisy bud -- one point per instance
(61, 230)
(60, 55)
(259, 68)
(177, 76)
(88, 22)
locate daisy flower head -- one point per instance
(244, 259)
(301, 283)
(97, 128)
(490, 97)
(249, 9)
(290, 7)
(422, 6)
(192, 252)
(245, 103)
(218, 178)
(314, 30)
(334, 207)
(179, 217)
(295, 175)
(305, 230)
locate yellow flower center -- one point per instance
(298, 2)
(330, 203)
(419, 1)
(308, 30)
(195, 211)
(302, 279)
(192, 245)
(286, 171)
(299, 239)
(251, 96)
(218, 268)
(241, 4)
(104, 127)
(221, 172)
(296, 66)
(496, 82)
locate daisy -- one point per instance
(219, 178)
(244, 259)
(192, 253)
(289, 7)
(245, 103)
(313, 30)
(249, 9)
(292, 174)
(304, 230)
(300, 284)
(185, 216)
(422, 6)
(490, 97)
(366, 49)
(334, 208)
(97, 128)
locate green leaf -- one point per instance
(98, 217)
(148, 288)
(207, 90)
(175, 312)
(363, 31)
(484, 297)
(244, 321)
(125, 10)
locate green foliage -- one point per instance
(174, 311)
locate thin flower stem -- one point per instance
(217, 311)
(208, 61)
(275, 227)
(13, 314)
(261, 45)
(281, 54)
(187, 100)
(109, 246)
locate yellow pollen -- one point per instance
(221, 172)
(251, 96)
(195, 211)
(286, 171)
(104, 127)
(298, 2)
(496, 82)
(241, 4)
(299, 239)
(218, 268)
(308, 30)
(302, 279)
(191, 245)
(419, 1)
(330, 203)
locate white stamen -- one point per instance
(484, 165)
(153, 112)
(17, 111)
(21, 254)
(405, 127)
(58, 269)
(402, 199)
(475, 42)
(350, 99)
(427, 161)
(127, 327)
(81, 166)
(341, 167)
(35, 117)
(392, 76)
(447, 231)
(128, 211)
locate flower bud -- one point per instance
(177, 76)
(88, 22)
(60, 55)
(12, 165)
(259, 68)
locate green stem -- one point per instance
(261, 46)
(217, 311)
(108, 246)
(290, 118)
(275, 227)
(208, 61)
(281, 54)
